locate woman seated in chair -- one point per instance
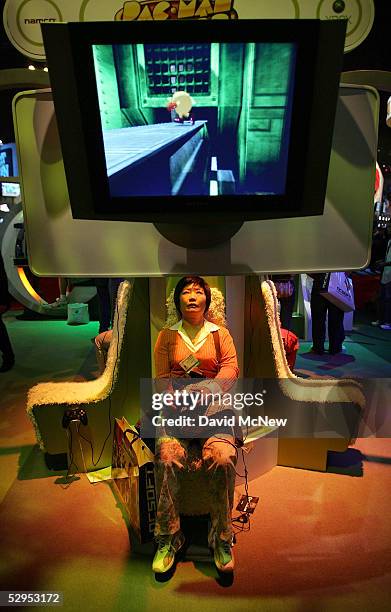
(215, 358)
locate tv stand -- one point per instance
(198, 236)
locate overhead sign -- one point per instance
(23, 18)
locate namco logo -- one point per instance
(176, 9)
(39, 20)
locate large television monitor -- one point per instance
(193, 122)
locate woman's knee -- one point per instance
(219, 451)
(170, 452)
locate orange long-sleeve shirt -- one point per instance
(170, 350)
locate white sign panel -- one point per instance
(22, 18)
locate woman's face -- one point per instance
(192, 300)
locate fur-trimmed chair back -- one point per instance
(116, 393)
(308, 404)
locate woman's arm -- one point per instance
(229, 371)
(162, 360)
(161, 355)
(162, 371)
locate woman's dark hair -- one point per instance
(191, 280)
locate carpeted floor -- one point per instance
(318, 541)
(366, 354)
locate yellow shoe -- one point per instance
(223, 556)
(168, 546)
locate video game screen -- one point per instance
(203, 119)
(8, 160)
(10, 190)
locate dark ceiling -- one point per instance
(374, 53)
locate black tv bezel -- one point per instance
(319, 54)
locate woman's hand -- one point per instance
(196, 388)
(206, 388)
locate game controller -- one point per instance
(77, 414)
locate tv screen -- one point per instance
(8, 160)
(185, 122)
(184, 137)
(10, 190)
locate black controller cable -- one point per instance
(69, 473)
(242, 522)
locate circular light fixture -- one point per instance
(31, 67)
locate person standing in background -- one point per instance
(320, 308)
(385, 291)
(5, 343)
(285, 288)
(107, 289)
(64, 289)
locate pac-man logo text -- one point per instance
(176, 9)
